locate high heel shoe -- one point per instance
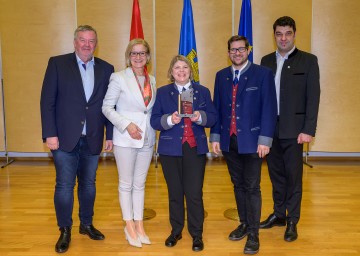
(144, 239)
(134, 242)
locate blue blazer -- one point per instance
(166, 103)
(256, 109)
(64, 108)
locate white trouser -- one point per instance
(133, 165)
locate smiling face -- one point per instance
(237, 55)
(85, 44)
(138, 57)
(181, 72)
(285, 39)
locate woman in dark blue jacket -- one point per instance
(182, 148)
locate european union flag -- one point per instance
(187, 45)
(245, 25)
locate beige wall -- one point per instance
(32, 31)
(335, 40)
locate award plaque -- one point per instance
(185, 103)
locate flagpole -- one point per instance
(154, 35)
(245, 29)
(136, 31)
(233, 17)
(187, 44)
(5, 136)
(4, 119)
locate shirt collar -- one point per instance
(79, 61)
(180, 87)
(286, 55)
(241, 69)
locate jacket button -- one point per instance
(145, 112)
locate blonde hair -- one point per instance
(172, 63)
(131, 44)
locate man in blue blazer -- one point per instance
(73, 129)
(245, 100)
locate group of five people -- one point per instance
(255, 108)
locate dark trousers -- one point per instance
(80, 164)
(245, 173)
(185, 177)
(285, 165)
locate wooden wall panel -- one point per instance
(168, 23)
(212, 29)
(265, 12)
(336, 37)
(31, 31)
(112, 20)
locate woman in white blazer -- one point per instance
(128, 104)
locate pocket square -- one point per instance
(252, 88)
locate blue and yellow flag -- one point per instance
(245, 24)
(187, 45)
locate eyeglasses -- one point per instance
(134, 54)
(240, 49)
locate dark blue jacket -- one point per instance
(166, 103)
(63, 104)
(255, 108)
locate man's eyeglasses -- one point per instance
(134, 54)
(240, 49)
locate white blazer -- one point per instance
(124, 104)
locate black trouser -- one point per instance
(286, 169)
(245, 173)
(185, 177)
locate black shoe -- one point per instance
(91, 231)
(272, 221)
(239, 233)
(63, 243)
(252, 244)
(198, 244)
(172, 240)
(291, 232)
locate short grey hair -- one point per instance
(82, 28)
